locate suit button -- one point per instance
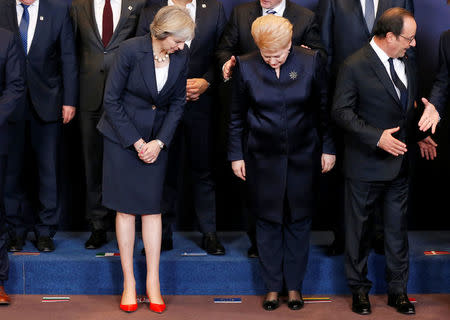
(153, 107)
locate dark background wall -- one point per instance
(429, 205)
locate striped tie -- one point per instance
(369, 15)
(399, 85)
(23, 27)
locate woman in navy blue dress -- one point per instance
(280, 141)
(144, 99)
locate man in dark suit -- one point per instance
(346, 26)
(237, 40)
(12, 86)
(196, 132)
(46, 34)
(374, 105)
(100, 27)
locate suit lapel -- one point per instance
(11, 15)
(201, 14)
(127, 8)
(411, 83)
(175, 64)
(360, 15)
(90, 14)
(383, 5)
(288, 12)
(42, 24)
(148, 69)
(255, 12)
(382, 74)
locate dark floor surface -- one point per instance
(428, 306)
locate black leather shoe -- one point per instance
(296, 304)
(212, 245)
(253, 252)
(16, 244)
(336, 248)
(401, 303)
(45, 244)
(96, 240)
(166, 245)
(361, 303)
(271, 305)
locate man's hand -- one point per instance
(238, 167)
(328, 161)
(227, 69)
(195, 87)
(428, 148)
(68, 112)
(430, 117)
(389, 144)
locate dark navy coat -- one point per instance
(280, 127)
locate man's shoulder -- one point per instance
(293, 7)
(56, 5)
(359, 57)
(243, 8)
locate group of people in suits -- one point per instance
(145, 103)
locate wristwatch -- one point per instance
(160, 143)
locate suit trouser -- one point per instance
(283, 252)
(361, 200)
(193, 142)
(43, 139)
(4, 262)
(92, 144)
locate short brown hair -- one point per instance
(272, 32)
(391, 21)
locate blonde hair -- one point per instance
(271, 32)
(172, 21)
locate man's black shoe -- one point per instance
(16, 244)
(253, 251)
(212, 245)
(401, 303)
(336, 248)
(361, 303)
(96, 240)
(45, 244)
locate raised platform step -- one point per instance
(71, 269)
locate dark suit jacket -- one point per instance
(133, 107)
(210, 21)
(51, 63)
(95, 60)
(344, 29)
(237, 38)
(280, 127)
(12, 82)
(365, 104)
(441, 87)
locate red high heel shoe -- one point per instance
(128, 307)
(158, 308)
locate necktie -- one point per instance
(271, 11)
(23, 27)
(107, 28)
(399, 84)
(369, 15)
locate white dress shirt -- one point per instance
(116, 6)
(375, 6)
(399, 65)
(279, 9)
(191, 7)
(33, 11)
(161, 77)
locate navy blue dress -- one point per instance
(133, 110)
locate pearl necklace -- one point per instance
(161, 59)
